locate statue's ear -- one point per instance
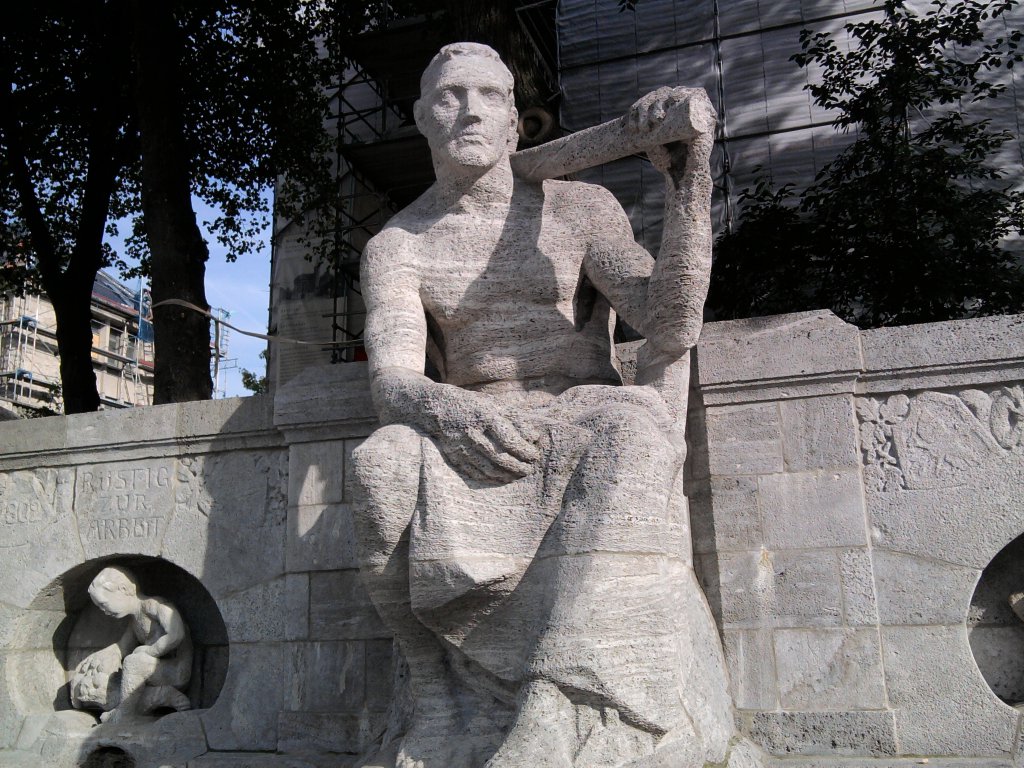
(419, 113)
(513, 129)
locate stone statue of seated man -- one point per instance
(520, 523)
(145, 671)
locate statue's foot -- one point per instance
(544, 732)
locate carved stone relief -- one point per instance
(929, 439)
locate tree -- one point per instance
(125, 108)
(253, 381)
(909, 223)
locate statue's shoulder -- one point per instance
(580, 196)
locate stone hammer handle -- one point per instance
(687, 118)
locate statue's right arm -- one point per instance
(471, 432)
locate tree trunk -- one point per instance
(69, 287)
(73, 309)
(178, 252)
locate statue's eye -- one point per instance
(447, 97)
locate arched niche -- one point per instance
(996, 632)
(64, 621)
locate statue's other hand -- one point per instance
(145, 650)
(650, 111)
(478, 440)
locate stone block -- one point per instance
(724, 516)
(327, 677)
(932, 523)
(812, 509)
(932, 681)
(224, 417)
(39, 534)
(780, 589)
(751, 661)
(330, 731)
(349, 472)
(760, 350)
(819, 433)
(744, 440)
(264, 760)
(316, 472)
(860, 605)
(829, 669)
(296, 606)
(340, 608)
(915, 590)
(32, 435)
(248, 616)
(834, 734)
(334, 396)
(244, 716)
(230, 518)
(321, 537)
(922, 346)
(105, 428)
(379, 674)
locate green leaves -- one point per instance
(908, 223)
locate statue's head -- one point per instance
(115, 592)
(466, 109)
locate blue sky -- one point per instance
(242, 288)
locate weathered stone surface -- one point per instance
(860, 604)
(327, 677)
(812, 509)
(780, 589)
(932, 680)
(817, 433)
(315, 474)
(230, 518)
(751, 658)
(915, 590)
(321, 537)
(296, 606)
(724, 515)
(38, 531)
(824, 733)
(244, 718)
(340, 608)
(769, 358)
(254, 614)
(829, 669)
(744, 440)
(337, 732)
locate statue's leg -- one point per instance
(611, 572)
(136, 669)
(386, 491)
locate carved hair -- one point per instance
(449, 52)
(116, 580)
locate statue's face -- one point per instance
(468, 116)
(113, 602)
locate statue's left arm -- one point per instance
(663, 299)
(170, 622)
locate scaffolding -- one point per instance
(122, 349)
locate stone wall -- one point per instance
(855, 503)
(848, 491)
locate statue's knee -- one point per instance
(139, 664)
(391, 450)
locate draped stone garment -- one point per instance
(578, 573)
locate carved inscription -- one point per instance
(117, 502)
(29, 502)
